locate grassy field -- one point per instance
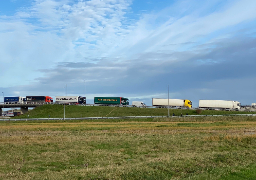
(174, 148)
(56, 111)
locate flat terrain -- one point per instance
(175, 148)
(75, 111)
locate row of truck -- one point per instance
(64, 100)
(156, 102)
(185, 103)
(203, 104)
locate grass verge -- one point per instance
(196, 148)
(74, 111)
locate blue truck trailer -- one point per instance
(14, 100)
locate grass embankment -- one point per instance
(72, 111)
(189, 148)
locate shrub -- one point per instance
(198, 111)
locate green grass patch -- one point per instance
(75, 111)
(196, 148)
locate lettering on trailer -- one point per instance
(66, 99)
(107, 99)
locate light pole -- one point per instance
(84, 99)
(168, 102)
(64, 103)
(64, 112)
(3, 104)
(84, 89)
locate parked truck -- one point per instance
(138, 104)
(220, 104)
(171, 102)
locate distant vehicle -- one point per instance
(172, 102)
(220, 104)
(14, 100)
(138, 104)
(111, 100)
(9, 113)
(16, 113)
(253, 104)
(38, 99)
(70, 100)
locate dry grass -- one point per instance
(185, 149)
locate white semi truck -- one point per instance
(138, 104)
(172, 102)
(70, 100)
(219, 104)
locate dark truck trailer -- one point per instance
(111, 100)
(38, 99)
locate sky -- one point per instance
(200, 49)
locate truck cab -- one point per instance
(188, 103)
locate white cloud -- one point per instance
(54, 31)
(52, 43)
(189, 28)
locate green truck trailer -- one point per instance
(111, 100)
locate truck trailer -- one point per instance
(70, 100)
(14, 100)
(220, 104)
(38, 99)
(172, 102)
(111, 100)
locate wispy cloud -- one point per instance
(102, 44)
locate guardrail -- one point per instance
(123, 117)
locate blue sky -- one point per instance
(129, 48)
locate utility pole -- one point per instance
(3, 104)
(168, 102)
(64, 103)
(66, 89)
(84, 89)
